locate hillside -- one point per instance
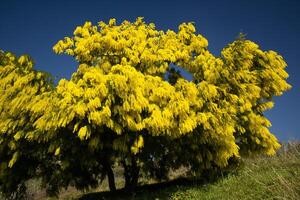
(260, 177)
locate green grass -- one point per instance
(260, 177)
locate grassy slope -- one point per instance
(262, 177)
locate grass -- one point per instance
(260, 177)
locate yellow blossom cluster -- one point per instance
(119, 85)
(125, 64)
(20, 85)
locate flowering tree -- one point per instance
(118, 109)
(20, 86)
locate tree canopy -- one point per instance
(118, 108)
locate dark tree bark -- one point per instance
(110, 175)
(131, 173)
(135, 171)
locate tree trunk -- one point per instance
(131, 174)
(110, 176)
(135, 172)
(126, 174)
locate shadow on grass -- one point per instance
(159, 191)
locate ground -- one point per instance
(259, 177)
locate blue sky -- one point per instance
(33, 27)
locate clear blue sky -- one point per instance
(33, 27)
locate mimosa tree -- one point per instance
(118, 109)
(20, 151)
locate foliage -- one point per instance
(20, 86)
(117, 107)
